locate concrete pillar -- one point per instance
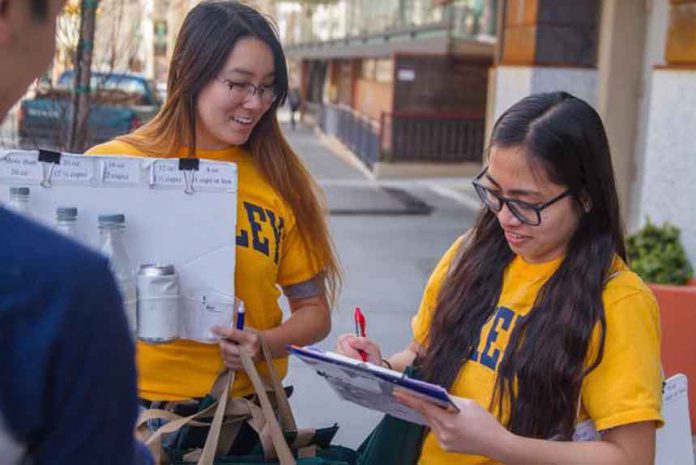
(620, 78)
(546, 45)
(668, 187)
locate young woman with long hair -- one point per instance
(532, 318)
(227, 78)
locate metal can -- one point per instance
(158, 303)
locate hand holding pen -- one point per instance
(358, 345)
(231, 339)
(360, 330)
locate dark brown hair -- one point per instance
(208, 35)
(546, 359)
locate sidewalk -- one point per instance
(352, 190)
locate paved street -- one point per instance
(387, 261)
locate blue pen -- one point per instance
(240, 316)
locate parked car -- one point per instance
(119, 103)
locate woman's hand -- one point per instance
(350, 345)
(472, 430)
(231, 340)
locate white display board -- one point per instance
(673, 443)
(178, 211)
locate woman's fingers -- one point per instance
(427, 409)
(232, 340)
(232, 334)
(230, 355)
(344, 347)
(350, 346)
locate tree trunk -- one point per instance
(83, 74)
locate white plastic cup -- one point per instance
(204, 309)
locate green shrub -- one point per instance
(657, 255)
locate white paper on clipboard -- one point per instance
(369, 385)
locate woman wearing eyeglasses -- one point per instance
(532, 319)
(227, 78)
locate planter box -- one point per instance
(678, 321)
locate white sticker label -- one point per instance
(166, 173)
(79, 170)
(21, 167)
(123, 171)
(215, 177)
(406, 75)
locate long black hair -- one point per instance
(546, 358)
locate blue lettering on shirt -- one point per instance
(277, 232)
(260, 218)
(502, 321)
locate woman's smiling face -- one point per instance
(510, 175)
(222, 119)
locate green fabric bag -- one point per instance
(334, 455)
(248, 450)
(393, 441)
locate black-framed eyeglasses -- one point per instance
(527, 213)
(243, 91)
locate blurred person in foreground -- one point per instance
(67, 374)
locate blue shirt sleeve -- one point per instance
(67, 368)
(91, 397)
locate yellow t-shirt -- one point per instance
(625, 387)
(269, 252)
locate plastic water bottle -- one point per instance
(66, 221)
(111, 229)
(19, 200)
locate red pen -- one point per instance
(360, 325)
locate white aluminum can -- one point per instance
(158, 303)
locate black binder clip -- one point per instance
(189, 166)
(50, 159)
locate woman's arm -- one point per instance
(632, 444)
(309, 322)
(400, 360)
(475, 431)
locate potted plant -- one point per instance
(656, 254)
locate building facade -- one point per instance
(419, 79)
(398, 81)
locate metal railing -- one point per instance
(360, 134)
(397, 137)
(431, 138)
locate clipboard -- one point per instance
(371, 386)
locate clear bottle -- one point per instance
(111, 244)
(19, 200)
(66, 221)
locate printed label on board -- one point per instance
(165, 173)
(78, 170)
(21, 167)
(120, 171)
(215, 177)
